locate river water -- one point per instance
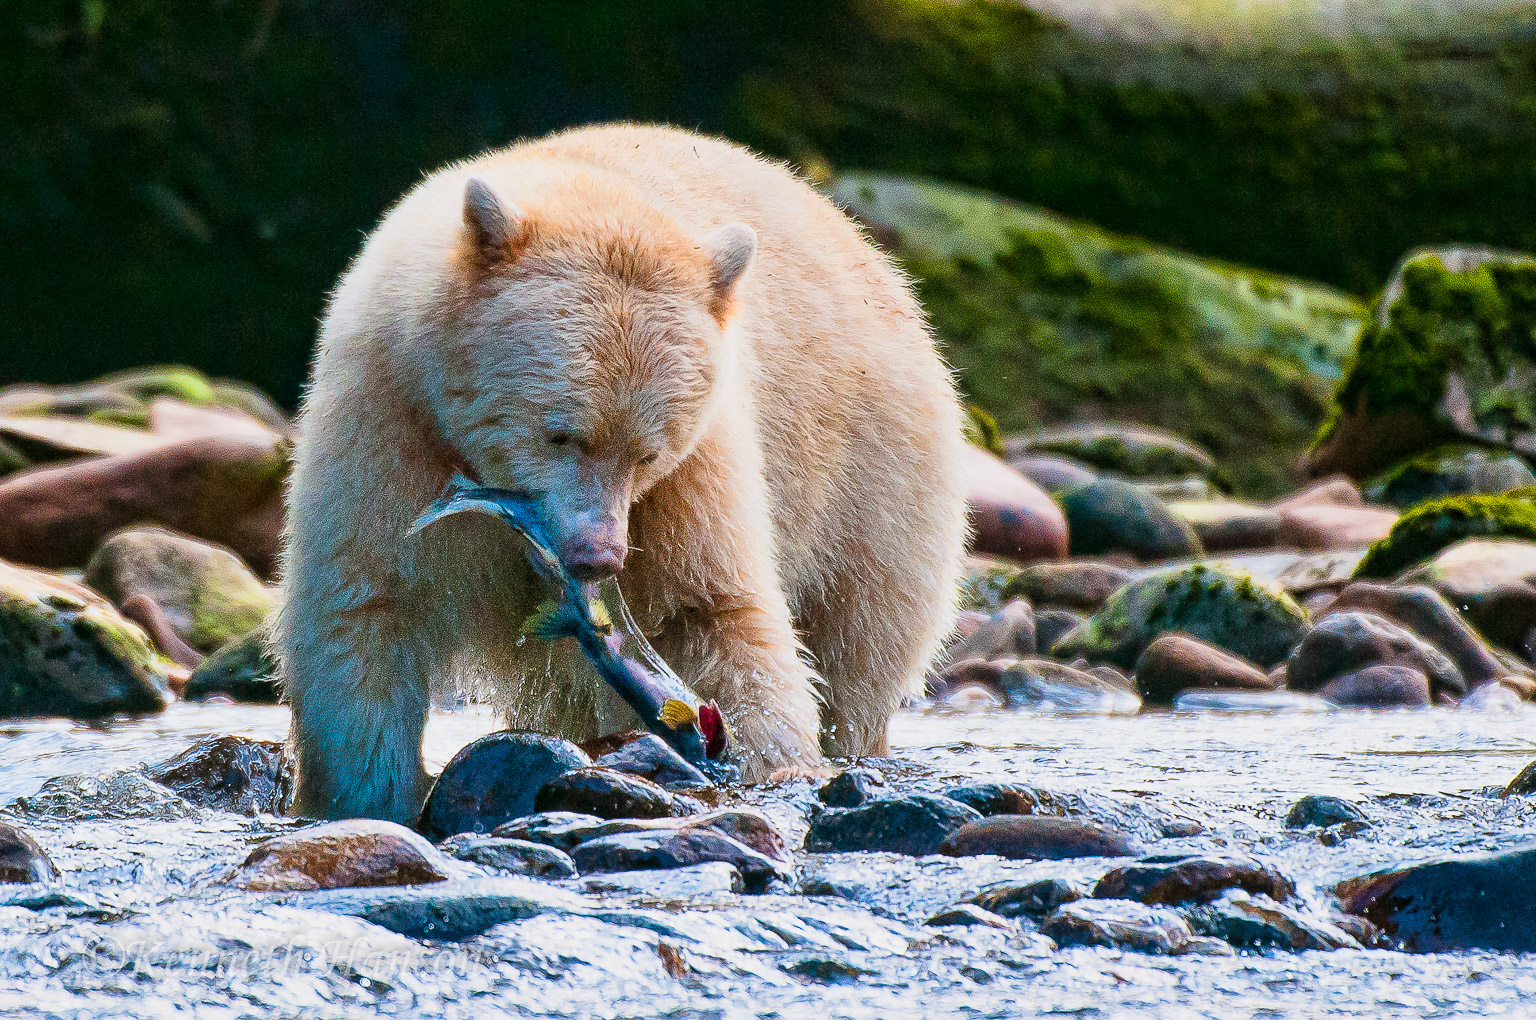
(141, 925)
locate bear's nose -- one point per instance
(594, 560)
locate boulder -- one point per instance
(1191, 878)
(1053, 474)
(1175, 663)
(1051, 625)
(1321, 527)
(1257, 922)
(610, 794)
(1037, 837)
(1455, 470)
(1032, 898)
(1224, 608)
(1110, 516)
(1076, 584)
(1131, 451)
(1010, 515)
(1222, 525)
(1430, 527)
(1322, 811)
(1479, 901)
(219, 489)
(1426, 612)
(1492, 582)
(65, 651)
(341, 855)
(206, 593)
(1348, 641)
(230, 773)
(494, 779)
(1382, 685)
(21, 859)
(915, 824)
(244, 670)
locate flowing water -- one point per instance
(141, 926)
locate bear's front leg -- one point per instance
(704, 573)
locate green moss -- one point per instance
(984, 582)
(1450, 470)
(1426, 529)
(179, 381)
(981, 429)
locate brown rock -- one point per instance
(987, 673)
(1175, 663)
(1335, 491)
(45, 439)
(1010, 515)
(1426, 612)
(343, 855)
(1326, 526)
(1191, 878)
(1223, 525)
(609, 794)
(1076, 584)
(175, 420)
(21, 859)
(1492, 581)
(1379, 686)
(1037, 837)
(1007, 633)
(223, 490)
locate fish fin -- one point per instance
(600, 618)
(677, 714)
(547, 621)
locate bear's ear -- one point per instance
(730, 249)
(499, 232)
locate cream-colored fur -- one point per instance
(583, 321)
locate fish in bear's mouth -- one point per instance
(694, 729)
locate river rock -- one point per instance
(610, 794)
(1010, 515)
(1321, 527)
(1454, 470)
(1427, 613)
(696, 881)
(968, 915)
(221, 490)
(916, 824)
(230, 773)
(1007, 633)
(1191, 878)
(560, 829)
(493, 779)
(21, 859)
(1119, 925)
(676, 848)
(1382, 685)
(243, 670)
(1492, 582)
(1051, 625)
(1035, 898)
(1133, 451)
(1430, 527)
(852, 788)
(1111, 515)
(1479, 901)
(65, 651)
(175, 420)
(1258, 922)
(1051, 686)
(1322, 811)
(650, 757)
(1348, 641)
(566, 830)
(1224, 608)
(513, 856)
(982, 580)
(1053, 474)
(48, 439)
(1523, 784)
(339, 855)
(206, 593)
(1037, 837)
(1223, 525)
(1075, 584)
(968, 675)
(1174, 663)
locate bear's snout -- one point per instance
(593, 557)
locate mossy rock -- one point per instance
(243, 670)
(1448, 356)
(1111, 515)
(1221, 607)
(1430, 527)
(1126, 450)
(983, 582)
(1454, 470)
(179, 381)
(1049, 320)
(64, 651)
(12, 459)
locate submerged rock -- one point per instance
(1175, 663)
(1322, 810)
(494, 779)
(676, 848)
(1110, 515)
(339, 855)
(1043, 684)
(1191, 878)
(1227, 609)
(243, 670)
(1348, 641)
(915, 824)
(1258, 922)
(207, 594)
(65, 651)
(1035, 898)
(21, 859)
(1037, 837)
(230, 773)
(610, 794)
(567, 830)
(852, 788)
(1524, 783)
(1119, 924)
(1480, 901)
(513, 856)
(1010, 515)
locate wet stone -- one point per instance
(242, 671)
(230, 773)
(852, 788)
(1322, 811)
(339, 855)
(610, 794)
(1007, 633)
(1480, 901)
(514, 856)
(567, 830)
(1175, 663)
(21, 859)
(1523, 784)
(1383, 685)
(1075, 584)
(915, 824)
(1258, 922)
(1347, 641)
(1051, 625)
(1119, 924)
(1041, 683)
(1037, 837)
(1187, 878)
(712, 878)
(1027, 899)
(967, 915)
(676, 848)
(559, 829)
(494, 779)
(649, 757)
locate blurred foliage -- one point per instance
(183, 181)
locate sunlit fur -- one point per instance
(802, 517)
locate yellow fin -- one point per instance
(543, 621)
(677, 714)
(600, 618)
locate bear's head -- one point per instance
(584, 353)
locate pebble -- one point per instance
(968, 915)
(1082, 584)
(1035, 898)
(1119, 924)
